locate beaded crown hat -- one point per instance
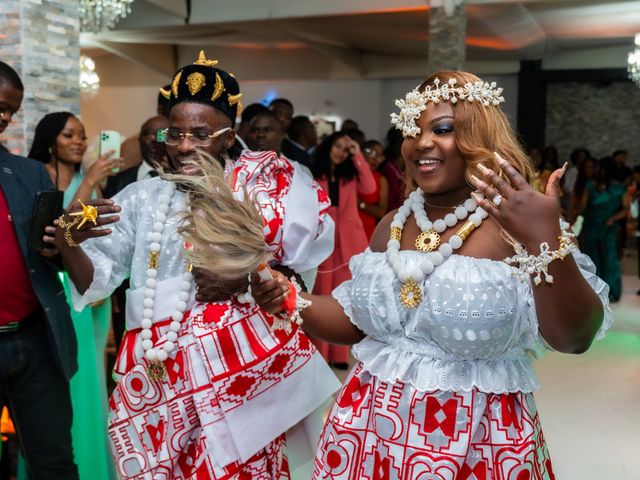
(415, 102)
(202, 82)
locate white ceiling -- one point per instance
(369, 38)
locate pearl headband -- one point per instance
(415, 102)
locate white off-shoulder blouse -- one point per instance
(476, 327)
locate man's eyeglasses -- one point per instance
(200, 138)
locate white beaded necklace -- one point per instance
(412, 276)
(156, 356)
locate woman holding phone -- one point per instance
(60, 143)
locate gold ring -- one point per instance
(89, 213)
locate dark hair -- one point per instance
(281, 101)
(577, 152)
(606, 171)
(297, 126)
(321, 166)
(619, 152)
(371, 143)
(394, 144)
(47, 130)
(10, 76)
(251, 110)
(550, 158)
(356, 134)
(581, 180)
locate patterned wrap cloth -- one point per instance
(233, 386)
(443, 391)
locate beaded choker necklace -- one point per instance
(411, 276)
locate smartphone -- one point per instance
(110, 140)
(47, 207)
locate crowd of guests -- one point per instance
(363, 177)
(599, 197)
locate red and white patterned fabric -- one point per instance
(233, 387)
(390, 431)
(231, 391)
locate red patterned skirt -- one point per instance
(384, 431)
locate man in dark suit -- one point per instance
(37, 341)
(38, 349)
(301, 142)
(152, 157)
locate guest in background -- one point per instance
(153, 160)
(248, 113)
(622, 174)
(60, 143)
(265, 133)
(37, 340)
(342, 171)
(374, 206)
(586, 173)
(283, 109)
(603, 203)
(130, 148)
(153, 157)
(576, 159)
(393, 169)
(349, 124)
(301, 142)
(11, 93)
(634, 194)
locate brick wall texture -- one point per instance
(40, 39)
(602, 117)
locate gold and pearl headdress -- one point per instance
(415, 102)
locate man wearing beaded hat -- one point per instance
(186, 404)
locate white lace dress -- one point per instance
(442, 391)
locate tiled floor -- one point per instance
(590, 404)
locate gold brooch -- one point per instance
(195, 82)
(428, 241)
(89, 213)
(218, 88)
(410, 294)
(175, 82)
(156, 370)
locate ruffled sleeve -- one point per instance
(297, 227)
(599, 286)
(111, 255)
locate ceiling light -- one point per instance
(99, 15)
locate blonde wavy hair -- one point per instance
(481, 130)
(226, 234)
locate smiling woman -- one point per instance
(443, 341)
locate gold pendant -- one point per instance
(89, 213)
(410, 294)
(156, 371)
(428, 241)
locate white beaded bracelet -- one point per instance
(284, 320)
(538, 265)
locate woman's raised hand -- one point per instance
(77, 223)
(270, 294)
(104, 167)
(528, 216)
(353, 146)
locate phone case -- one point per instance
(110, 140)
(47, 207)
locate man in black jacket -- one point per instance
(38, 350)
